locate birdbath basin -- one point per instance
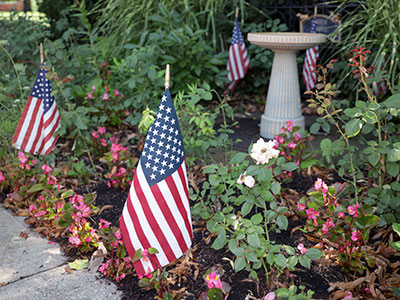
(283, 98)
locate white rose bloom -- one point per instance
(241, 179)
(263, 151)
(249, 181)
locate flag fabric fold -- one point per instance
(39, 120)
(310, 62)
(238, 61)
(157, 213)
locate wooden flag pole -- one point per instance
(41, 54)
(167, 77)
(237, 13)
(315, 10)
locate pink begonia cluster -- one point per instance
(1, 176)
(96, 135)
(116, 174)
(301, 248)
(213, 280)
(81, 231)
(116, 149)
(24, 161)
(145, 258)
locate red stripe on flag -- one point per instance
(38, 136)
(179, 203)
(34, 118)
(169, 217)
(153, 222)
(22, 119)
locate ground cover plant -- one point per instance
(278, 221)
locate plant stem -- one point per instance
(15, 69)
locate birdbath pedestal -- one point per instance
(283, 99)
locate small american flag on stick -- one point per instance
(157, 213)
(310, 62)
(238, 61)
(39, 119)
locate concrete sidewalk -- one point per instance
(33, 269)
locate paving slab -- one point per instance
(33, 269)
(20, 257)
(57, 284)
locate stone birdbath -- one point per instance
(283, 98)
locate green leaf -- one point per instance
(370, 117)
(79, 264)
(326, 147)
(393, 155)
(213, 179)
(282, 222)
(396, 228)
(256, 219)
(239, 264)
(238, 158)
(221, 240)
(233, 247)
(395, 245)
(253, 240)
(290, 166)
(305, 261)
(276, 187)
(392, 169)
(373, 158)
(366, 221)
(36, 187)
(393, 101)
(280, 260)
(246, 208)
(353, 127)
(313, 254)
(289, 250)
(251, 256)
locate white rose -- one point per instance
(263, 151)
(249, 181)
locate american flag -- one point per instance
(39, 119)
(238, 61)
(310, 62)
(157, 212)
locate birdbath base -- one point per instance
(283, 98)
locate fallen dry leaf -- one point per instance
(23, 235)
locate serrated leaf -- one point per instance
(276, 187)
(373, 158)
(289, 250)
(282, 222)
(393, 155)
(313, 253)
(290, 166)
(220, 241)
(353, 127)
(280, 260)
(256, 219)
(239, 264)
(305, 261)
(238, 158)
(246, 208)
(253, 240)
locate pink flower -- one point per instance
(349, 295)
(149, 275)
(118, 235)
(106, 88)
(301, 206)
(102, 130)
(270, 296)
(60, 205)
(114, 156)
(104, 224)
(145, 254)
(34, 161)
(341, 215)
(104, 266)
(89, 95)
(311, 138)
(122, 170)
(116, 93)
(40, 213)
(280, 139)
(120, 277)
(311, 214)
(93, 88)
(103, 142)
(292, 145)
(325, 228)
(353, 210)
(32, 208)
(355, 235)
(297, 137)
(88, 239)
(127, 113)
(289, 125)
(95, 135)
(52, 180)
(1, 177)
(103, 64)
(105, 96)
(301, 248)
(46, 169)
(213, 279)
